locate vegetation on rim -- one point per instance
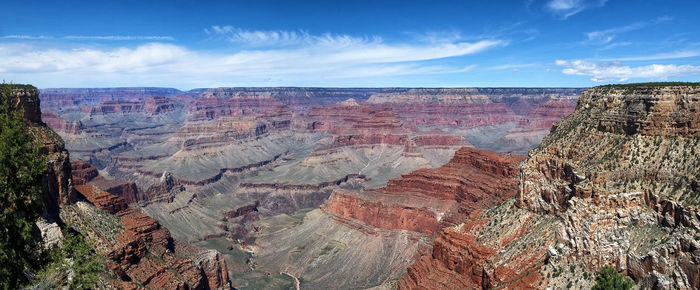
(21, 168)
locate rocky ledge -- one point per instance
(418, 201)
(622, 174)
(56, 181)
(142, 253)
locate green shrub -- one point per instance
(21, 168)
(87, 263)
(608, 278)
(78, 257)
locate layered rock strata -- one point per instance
(622, 174)
(142, 252)
(56, 181)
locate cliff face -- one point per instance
(141, 251)
(57, 179)
(614, 183)
(622, 173)
(418, 201)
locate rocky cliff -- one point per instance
(418, 201)
(506, 119)
(285, 150)
(56, 182)
(614, 183)
(68, 98)
(141, 251)
(622, 173)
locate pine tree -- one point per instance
(21, 168)
(609, 279)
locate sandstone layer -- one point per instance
(622, 175)
(142, 253)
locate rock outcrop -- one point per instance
(418, 201)
(83, 172)
(597, 191)
(497, 248)
(56, 181)
(142, 252)
(622, 175)
(285, 150)
(71, 98)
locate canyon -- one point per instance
(237, 170)
(141, 252)
(383, 188)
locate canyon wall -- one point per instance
(625, 161)
(141, 252)
(231, 168)
(56, 182)
(598, 191)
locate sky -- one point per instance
(499, 43)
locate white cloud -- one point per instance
(567, 8)
(607, 35)
(92, 37)
(616, 71)
(658, 56)
(513, 66)
(312, 58)
(279, 38)
(258, 37)
(25, 37)
(118, 37)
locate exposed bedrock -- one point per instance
(68, 98)
(502, 247)
(622, 175)
(58, 124)
(141, 251)
(56, 181)
(83, 172)
(297, 99)
(417, 201)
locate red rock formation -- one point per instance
(546, 114)
(152, 105)
(157, 105)
(242, 104)
(56, 181)
(470, 256)
(82, 172)
(55, 122)
(145, 253)
(382, 215)
(74, 98)
(471, 176)
(417, 201)
(241, 211)
(101, 199)
(128, 191)
(86, 174)
(117, 106)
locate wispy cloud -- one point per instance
(90, 37)
(513, 66)
(313, 57)
(119, 37)
(25, 37)
(607, 35)
(658, 56)
(258, 37)
(564, 9)
(616, 71)
(283, 37)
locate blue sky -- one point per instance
(189, 44)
